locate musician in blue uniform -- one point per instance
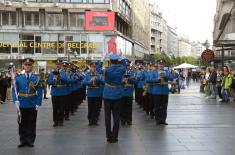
(127, 96)
(27, 96)
(94, 82)
(159, 79)
(112, 95)
(58, 82)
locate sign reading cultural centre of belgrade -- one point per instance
(32, 44)
(208, 55)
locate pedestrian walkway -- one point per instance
(197, 126)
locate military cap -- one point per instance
(113, 57)
(65, 62)
(93, 63)
(59, 61)
(28, 61)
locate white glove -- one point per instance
(37, 107)
(17, 103)
(103, 57)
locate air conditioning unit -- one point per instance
(56, 4)
(8, 3)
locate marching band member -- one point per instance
(160, 79)
(112, 95)
(127, 97)
(27, 96)
(94, 82)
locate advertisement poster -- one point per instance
(99, 21)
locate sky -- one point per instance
(193, 18)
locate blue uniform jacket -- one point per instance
(113, 77)
(59, 86)
(29, 92)
(129, 87)
(140, 79)
(93, 90)
(158, 89)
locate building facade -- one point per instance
(172, 42)
(141, 27)
(184, 46)
(156, 28)
(224, 30)
(79, 29)
(159, 30)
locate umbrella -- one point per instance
(185, 65)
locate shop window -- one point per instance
(95, 44)
(55, 19)
(25, 43)
(49, 43)
(9, 18)
(77, 20)
(83, 44)
(31, 18)
(9, 43)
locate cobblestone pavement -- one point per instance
(197, 126)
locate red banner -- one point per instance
(100, 21)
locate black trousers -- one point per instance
(79, 97)
(126, 109)
(58, 103)
(3, 94)
(99, 106)
(151, 104)
(73, 102)
(140, 96)
(27, 126)
(219, 92)
(67, 105)
(161, 103)
(93, 109)
(112, 107)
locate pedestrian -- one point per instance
(43, 78)
(27, 96)
(112, 95)
(212, 83)
(219, 84)
(4, 83)
(226, 84)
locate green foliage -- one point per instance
(176, 60)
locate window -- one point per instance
(83, 44)
(77, 20)
(95, 44)
(9, 43)
(9, 18)
(76, 1)
(26, 41)
(55, 19)
(99, 1)
(31, 18)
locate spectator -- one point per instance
(3, 89)
(219, 83)
(212, 83)
(226, 84)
